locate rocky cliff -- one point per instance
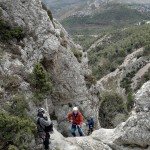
(44, 42)
(130, 135)
(40, 66)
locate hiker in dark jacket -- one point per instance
(90, 124)
(43, 121)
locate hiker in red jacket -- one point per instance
(76, 119)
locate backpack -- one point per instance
(47, 128)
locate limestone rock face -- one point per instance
(78, 143)
(128, 75)
(133, 63)
(136, 128)
(43, 44)
(134, 133)
(130, 135)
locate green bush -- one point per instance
(17, 131)
(64, 42)
(111, 105)
(62, 34)
(41, 83)
(12, 147)
(19, 106)
(48, 11)
(146, 52)
(90, 80)
(8, 32)
(126, 82)
(85, 41)
(144, 79)
(130, 101)
(77, 54)
(50, 14)
(10, 83)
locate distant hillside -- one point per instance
(111, 51)
(64, 8)
(60, 7)
(111, 17)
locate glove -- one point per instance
(79, 126)
(70, 121)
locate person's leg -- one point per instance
(88, 132)
(46, 141)
(73, 129)
(92, 130)
(80, 131)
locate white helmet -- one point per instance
(75, 108)
(41, 110)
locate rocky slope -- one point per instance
(35, 51)
(130, 135)
(125, 81)
(47, 43)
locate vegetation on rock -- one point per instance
(77, 54)
(90, 80)
(48, 11)
(8, 32)
(111, 17)
(108, 57)
(111, 105)
(19, 106)
(144, 79)
(16, 132)
(41, 83)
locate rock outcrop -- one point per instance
(134, 133)
(130, 135)
(45, 42)
(126, 79)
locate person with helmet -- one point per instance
(75, 117)
(43, 121)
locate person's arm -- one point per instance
(45, 122)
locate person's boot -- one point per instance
(47, 148)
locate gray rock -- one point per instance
(43, 44)
(134, 133)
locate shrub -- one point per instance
(12, 147)
(144, 79)
(62, 34)
(111, 105)
(17, 131)
(19, 106)
(10, 83)
(77, 54)
(8, 32)
(126, 82)
(90, 80)
(48, 11)
(41, 83)
(53, 116)
(64, 42)
(130, 101)
(50, 14)
(146, 52)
